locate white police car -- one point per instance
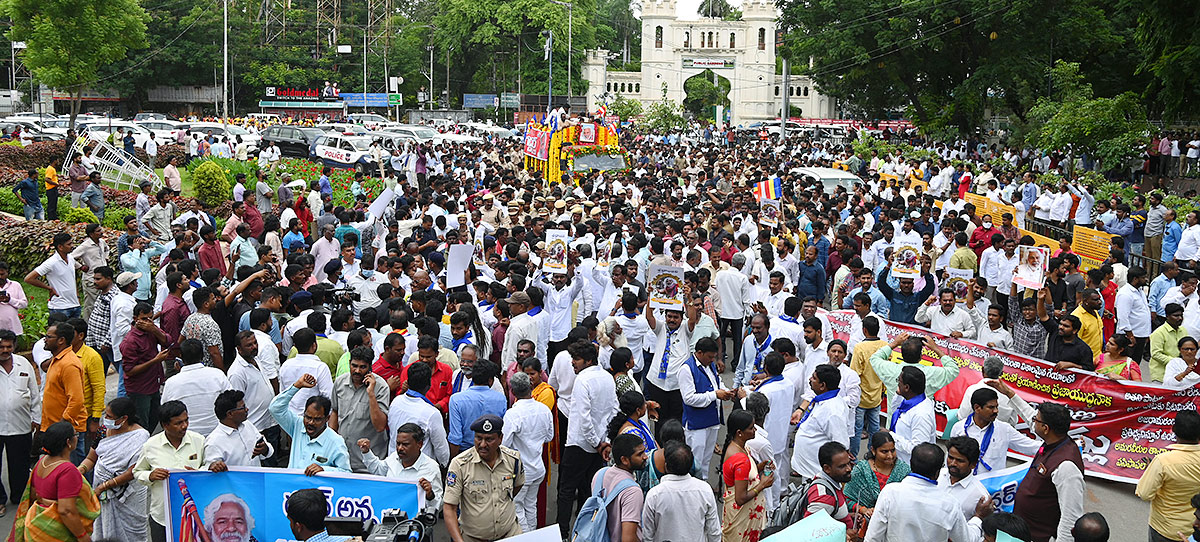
(346, 152)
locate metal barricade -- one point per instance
(1047, 229)
(118, 169)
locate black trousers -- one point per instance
(17, 448)
(574, 484)
(158, 533)
(272, 435)
(732, 329)
(670, 406)
(552, 350)
(1141, 347)
(52, 204)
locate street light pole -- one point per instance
(570, 37)
(550, 71)
(225, 69)
(365, 28)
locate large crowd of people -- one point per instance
(317, 337)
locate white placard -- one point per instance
(665, 287)
(959, 280)
(1031, 267)
(557, 246)
(380, 204)
(456, 266)
(906, 261)
(770, 213)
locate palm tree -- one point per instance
(716, 9)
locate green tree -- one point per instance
(68, 41)
(701, 95)
(664, 115)
(1113, 130)
(1170, 46)
(947, 64)
(717, 9)
(625, 108)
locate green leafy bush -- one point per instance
(74, 215)
(210, 182)
(231, 168)
(114, 215)
(10, 203)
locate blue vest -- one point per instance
(701, 417)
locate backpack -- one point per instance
(592, 523)
(794, 506)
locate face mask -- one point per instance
(108, 424)
(987, 223)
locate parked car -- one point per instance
(456, 138)
(829, 178)
(101, 129)
(149, 116)
(343, 128)
(292, 140)
(420, 134)
(165, 132)
(345, 151)
(28, 131)
(370, 120)
(218, 129)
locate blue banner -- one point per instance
(374, 99)
(1002, 485)
(257, 496)
(479, 101)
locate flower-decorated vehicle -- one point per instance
(573, 150)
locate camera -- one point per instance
(396, 527)
(345, 294)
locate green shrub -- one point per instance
(114, 215)
(33, 324)
(210, 183)
(230, 167)
(10, 203)
(74, 215)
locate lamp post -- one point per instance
(570, 35)
(225, 69)
(549, 70)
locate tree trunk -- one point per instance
(76, 103)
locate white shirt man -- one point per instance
(914, 509)
(20, 397)
(780, 393)
(593, 404)
(303, 364)
(1133, 313)
(1060, 210)
(1000, 437)
(251, 381)
(412, 407)
(673, 508)
(197, 386)
(234, 445)
(966, 492)
(958, 320)
(557, 307)
(1189, 243)
(735, 292)
(424, 467)
(528, 425)
(521, 327)
(824, 421)
(916, 426)
(674, 346)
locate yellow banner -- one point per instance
(1092, 247)
(984, 206)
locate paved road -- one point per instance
(1126, 513)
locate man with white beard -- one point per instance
(227, 519)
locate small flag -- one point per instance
(192, 530)
(772, 189)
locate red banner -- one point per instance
(537, 143)
(1119, 426)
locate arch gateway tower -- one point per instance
(673, 50)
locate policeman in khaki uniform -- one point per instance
(483, 481)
